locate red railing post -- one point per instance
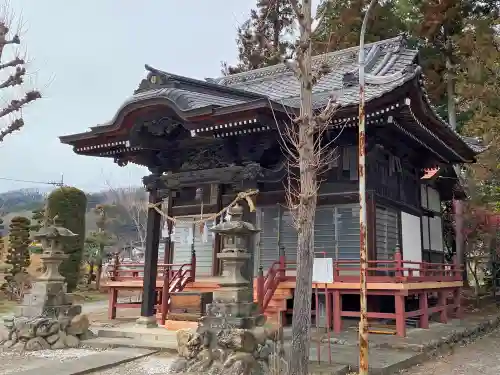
(260, 289)
(282, 261)
(398, 259)
(193, 265)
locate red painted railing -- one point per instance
(267, 285)
(347, 271)
(175, 278)
(175, 281)
(397, 271)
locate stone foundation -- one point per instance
(227, 352)
(45, 333)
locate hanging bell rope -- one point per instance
(244, 195)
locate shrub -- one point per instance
(69, 204)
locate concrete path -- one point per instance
(90, 307)
(478, 358)
(97, 306)
(152, 365)
(15, 362)
(67, 362)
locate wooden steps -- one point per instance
(201, 286)
(278, 304)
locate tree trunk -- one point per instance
(301, 324)
(98, 275)
(457, 204)
(91, 273)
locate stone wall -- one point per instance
(44, 333)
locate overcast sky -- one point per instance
(88, 56)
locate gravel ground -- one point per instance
(153, 365)
(480, 357)
(12, 362)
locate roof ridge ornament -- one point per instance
(154, 79)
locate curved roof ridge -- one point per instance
(173, 78)
(398, 42)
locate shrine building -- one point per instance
(205, 141)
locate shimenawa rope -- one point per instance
(244, 195)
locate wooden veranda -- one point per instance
(419, 289)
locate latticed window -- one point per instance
(336, 233)
(387, 232)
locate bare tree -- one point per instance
(309, 154)
(13, 75)
(312, 156)
(135, 203)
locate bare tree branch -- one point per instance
(134, 201)
(17, 77)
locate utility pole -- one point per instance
(363, 237)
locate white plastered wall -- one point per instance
(412, 239)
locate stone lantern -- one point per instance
(53, 254)
(233, 301)
(231, 338)
(47, 296)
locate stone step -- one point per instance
(175, 325)
(117, 342)
(159, 334)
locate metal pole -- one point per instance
(363, 251)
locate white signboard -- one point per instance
(323, 270)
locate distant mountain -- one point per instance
(130, 209)
(22, 200)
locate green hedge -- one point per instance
(18, 255)
(69, 204)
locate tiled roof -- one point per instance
(186, 100)
(388, 65)
(475, 144)
(389, 60)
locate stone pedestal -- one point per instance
(47, 296)
(146, 322)
(47, 299)
(230, 339)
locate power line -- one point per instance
(54, 183)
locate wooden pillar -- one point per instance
(165, 293)
(457, 301)
(167, 255)
(423, 306)
(217, 247)
(112, 300)
(149, 300)
(337, 311)
(443, 304)
(400, 315)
